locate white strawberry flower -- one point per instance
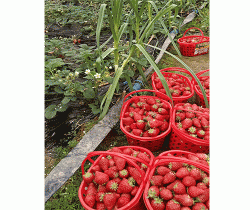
(87, 71)
(97, 76)
(70, 74)
(76, 73)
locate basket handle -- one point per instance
(201, 72)
(177, 159)
(165, 97)
(193, 28)
(170, 152)
(177, 69)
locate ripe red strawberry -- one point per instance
(169, 177)
(112, 186)
(75, 41)
(206, 137)
(88, 177)
(123, 200)
(176, 93)
(137, 117)
(201, 185)
(202, 156)
(111, 161)
(199, 206)
(133, 126)
(190, 115)
(120, 163)
(140, 104)
(189, 181)
(101, 178)
(112, 172)
(179, 125)
(179, 188)
(175, 165)
(91, 189)
(201, 133)
(192, 130)
(186, 93)
(134, 191)
(128, 128)
(182, 172)
(146, 107)
(96, 168)
(186, 123)
(208, 203)
(173, 205)
(101, 188)
(90, 200)
(157, 204)
(158, 85)
(145, 134)
(137, 132)
(180, 116)
(99, 196)
(140, 124)
(194, 191)
(162, 170)
(125, 186)
(185, 208)
(154, 108)
(164, 126)
(150, 101)
(166, 194)
(143, 156)
(117, 180)
(204, 122)
(196, 173)
(103, 163)
(184, 199)
(153, 132)
(206, 181)
(163, 111)
(156, 180)
(100, 206)
(192, 157)
(136, 174)
(203, 197)
(116, 149)
(153, 192)
(127, 151)
(161, 117)
(109, 200)
(170, 186)
(147, 118)
(123, 173)
(79, 41)
(127, 121)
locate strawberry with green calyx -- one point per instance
(192, 157)
(143, 167)
(109, 200)
(148, 118)
(101, 178)
(192, 130)
(193, 135)
(145, 134)
(176, 93)
(202, 198)
(150, 101)
(140, 124)
(96, 168)
(125, 186)
(151, 113)
(112, 172)
(196, 173)
(112, 186)
(184, 200)
(136, 174)
(88, 177)
(199, 206)
(174, 166)
(194, 191)
(162, 111)
(170, 186)
(186, 93)
(91, 189)
(186, 123)
(162, 170)
(103, 163)
(190, 115)
(180, 116)
(169, 177)
(140, 104)
(173, 205)
(195, 107)
(133, 126)
(154, 108)
(160, 117)
(123, 200)
(101, 188)
(146, 107)
(131, 180)
(179, 125)
(201, 185)
(189, 181)
(123, 173)
(157, 204)
(90, 200)
(127, 151)
(206, 181)
(154, 123)
(100, 206)
(120, 163)
(127, 121)
(164, 126)
(204, 122)
(156, 180)
(128, 128)
(182, 172)
(117, 180)
(179, 188)
(126, 114)
(141, 112)
(166, 194)
(201, 133)
(99, 197)
(152, 132)
(137, 132)
(153, 192)
(143, 156)
(196, 122)
(134, 191)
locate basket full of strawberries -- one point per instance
(116, 179)
(190, 128)
(177, 183)
(180, 86)
(205, 82)
(146, 120)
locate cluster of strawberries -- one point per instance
(205, 82)
(177, 86)
(146, 117)
(113, 182)
(191, 40)
(193, 120)
(179, 186)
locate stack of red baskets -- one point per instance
(165, 72)
(194, 45)
(151, 143)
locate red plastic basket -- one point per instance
(151, 143)
(187, 81)
(194, 45)
(200, 98)
(137, 202)
(181, 141)
(162, 160)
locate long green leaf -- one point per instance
(157, 70)
(99, 24)
(122, 29)
(189, 69)
(105, 54)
